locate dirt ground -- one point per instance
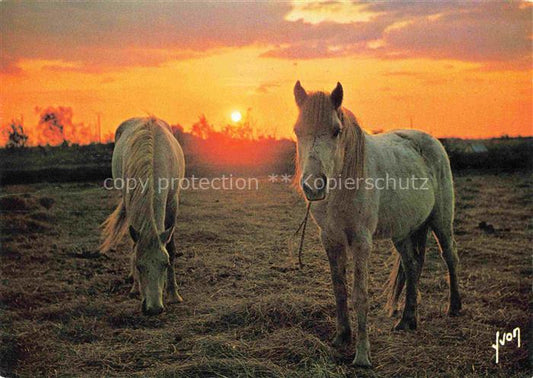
(247, 312)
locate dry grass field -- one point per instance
(65, 308)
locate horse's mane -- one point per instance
(353, 139)
(140, 166)
(315, 112)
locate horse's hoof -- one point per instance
(174, 297)
(405, 325)
(393, 313)
(342, 340)
(454, 311)
(362, 360)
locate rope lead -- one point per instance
(303, 224)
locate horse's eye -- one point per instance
(337, 132)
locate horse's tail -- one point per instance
(397, 277)
(113, 227)
(395, 286)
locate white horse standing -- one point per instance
(147, 153)
(332, 146)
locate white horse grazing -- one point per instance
(147, 154)
(359, 183)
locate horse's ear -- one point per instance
(134, 234)
(336, 96)
(299, 94)
(166, 235)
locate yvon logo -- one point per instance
(506, 337)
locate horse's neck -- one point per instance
(141, 207)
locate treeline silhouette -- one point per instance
(55, 126)
(496, 154)
(232, 149)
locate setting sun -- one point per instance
(236, 116)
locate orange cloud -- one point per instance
(498, 35)
(92, 36)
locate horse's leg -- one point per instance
(172, 286)
(361, 253)
(134, 291)
(170, 221)
(441, 223)
(337, 261)
(448, 250)
(419, 239)
(397, 283)
(410, 267)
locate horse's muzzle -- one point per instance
(314, 187)
(150, 311)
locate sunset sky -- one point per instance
(451, 68)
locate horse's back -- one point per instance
(128, 129)
(435, 158)
(424, 152)
(416, 157)
(429, 147)
(167, 152)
